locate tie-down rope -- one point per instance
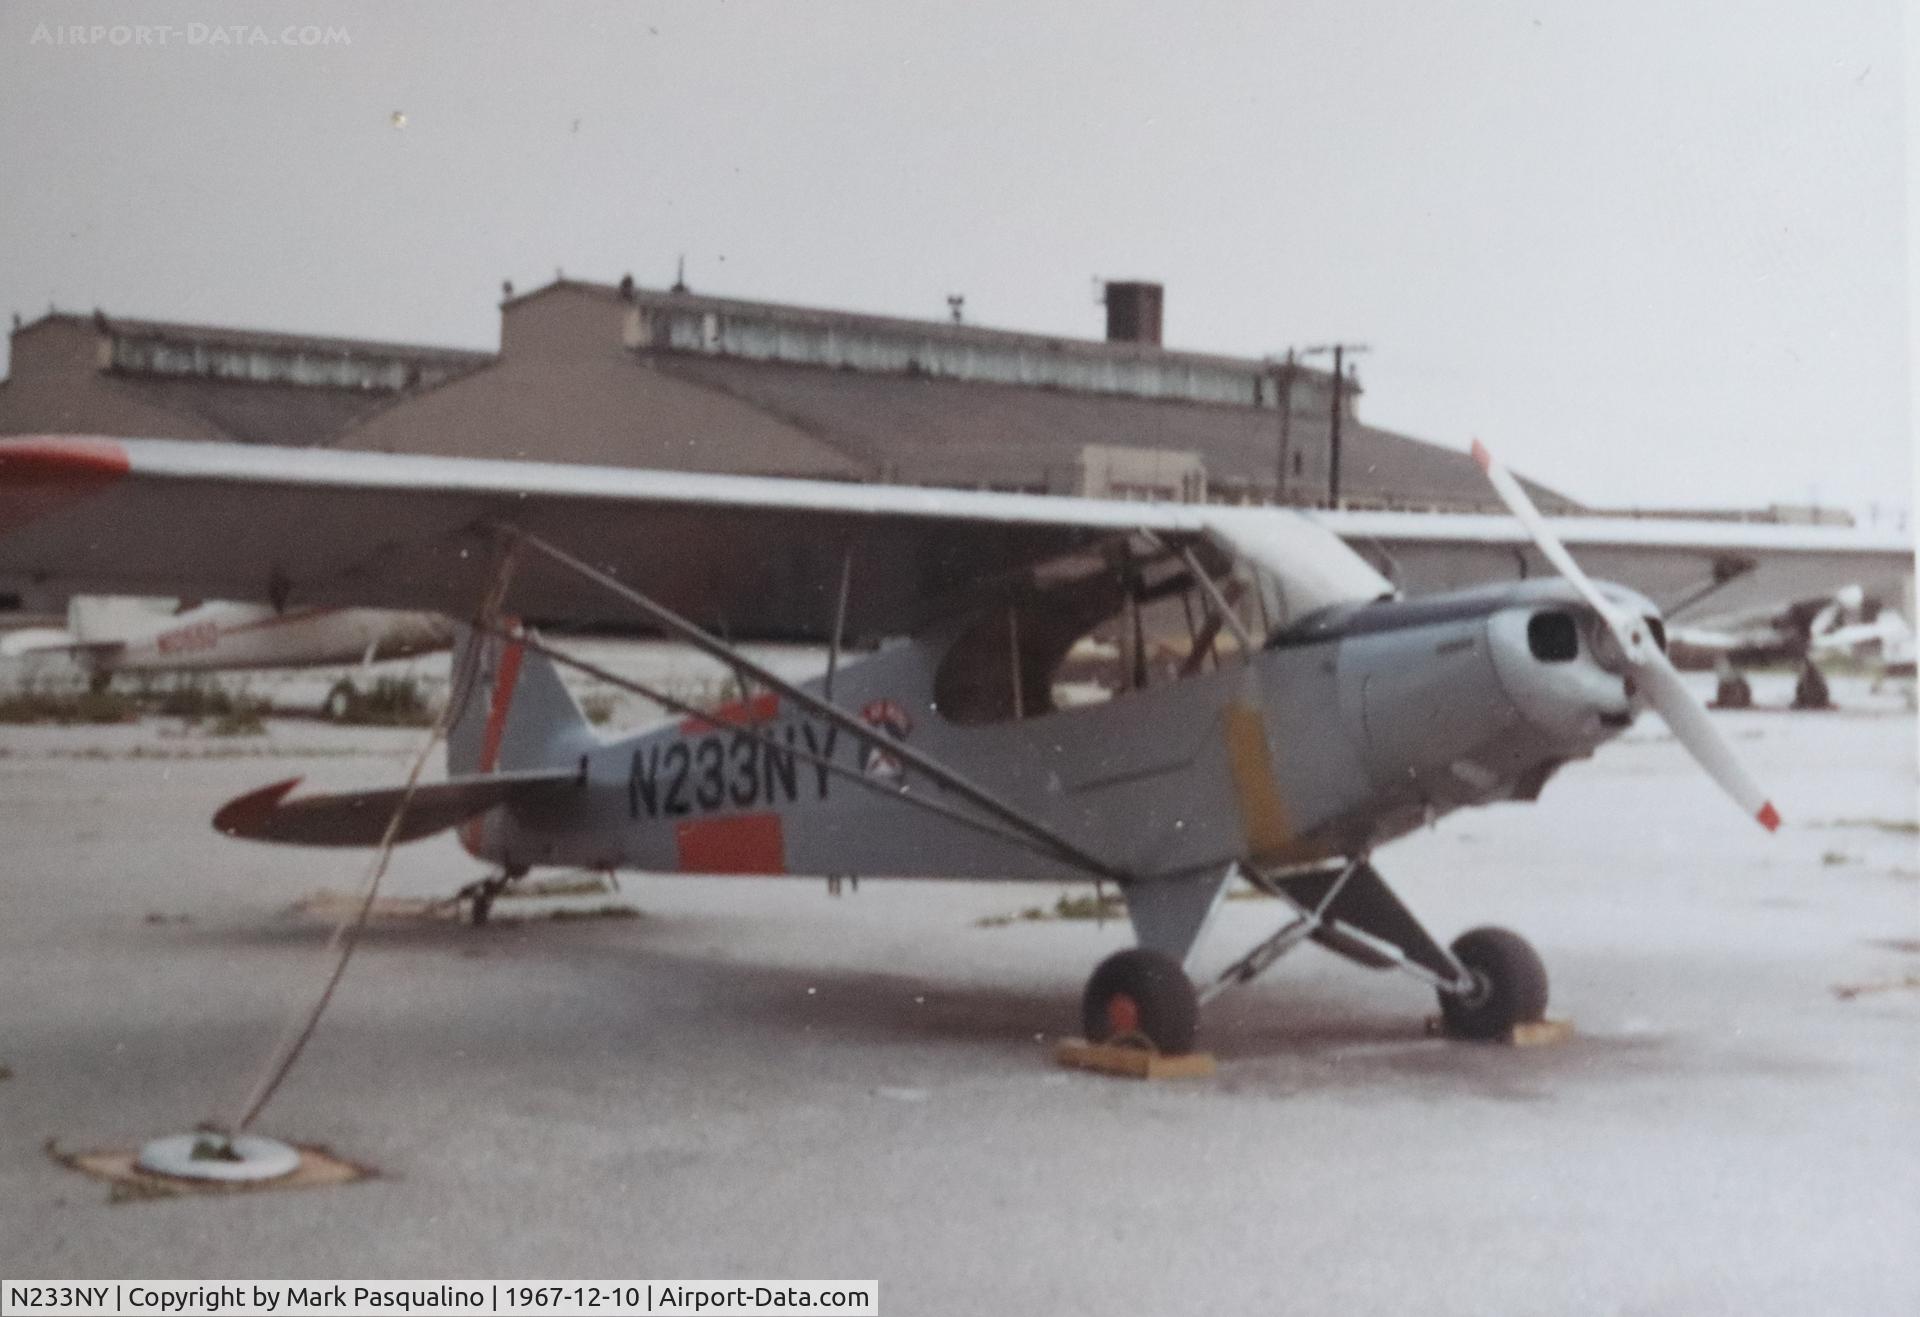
(346, 933)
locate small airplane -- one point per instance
(1881, 635)
(1803, 629)
(1308, 715)
(111, 636)
(1846, 625)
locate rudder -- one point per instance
(514, 712)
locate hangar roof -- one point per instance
(923, 430)
(122, 375)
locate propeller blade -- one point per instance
(1661, 684)
(1627, 631)
(1694, 729)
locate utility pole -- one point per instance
(1339, 351)
(1287, 369)
(1333, 429)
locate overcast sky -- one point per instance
(1651, 253)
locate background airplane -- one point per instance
(113, 635)
(1842, 623)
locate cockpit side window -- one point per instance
(1002, 667)
(1123, 627)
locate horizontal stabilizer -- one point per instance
(45, 640)
(360, 818)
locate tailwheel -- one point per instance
(1141, 995)
(481, 894)
(1509, 985)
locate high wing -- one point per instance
(758, 558)
(1693, 569)
(743, 557)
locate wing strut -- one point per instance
(1725, 572)
(863, 735)
(1222, 609)
(839, 621)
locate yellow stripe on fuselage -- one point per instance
(1263, 814)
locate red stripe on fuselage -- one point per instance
(744, 843)
(282, 619)
(762, 708)
(207, 633)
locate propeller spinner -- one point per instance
(1656, 678)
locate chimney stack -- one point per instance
(1133, 312)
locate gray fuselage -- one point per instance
(1341, 733)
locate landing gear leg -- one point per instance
(1489, 980)
(1143, 996)
(1733, 691)
(1810, 691)
(480, 895)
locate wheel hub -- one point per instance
(1476, 996)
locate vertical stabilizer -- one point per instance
(513, 713)
(95, 619)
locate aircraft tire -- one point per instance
(1513, 985)
(339, 701)
(1141, 994)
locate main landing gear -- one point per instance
(1141, 996)
(1509, 986)
(1488, 982)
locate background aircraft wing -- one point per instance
(745, 557)
(1692, 568)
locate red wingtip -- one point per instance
(1769, 817)
(41, 474)
(1482, 458)
(59, 459)
(243, 816)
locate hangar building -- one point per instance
(81, 374)
(622, 375)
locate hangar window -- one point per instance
(1553, 637)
